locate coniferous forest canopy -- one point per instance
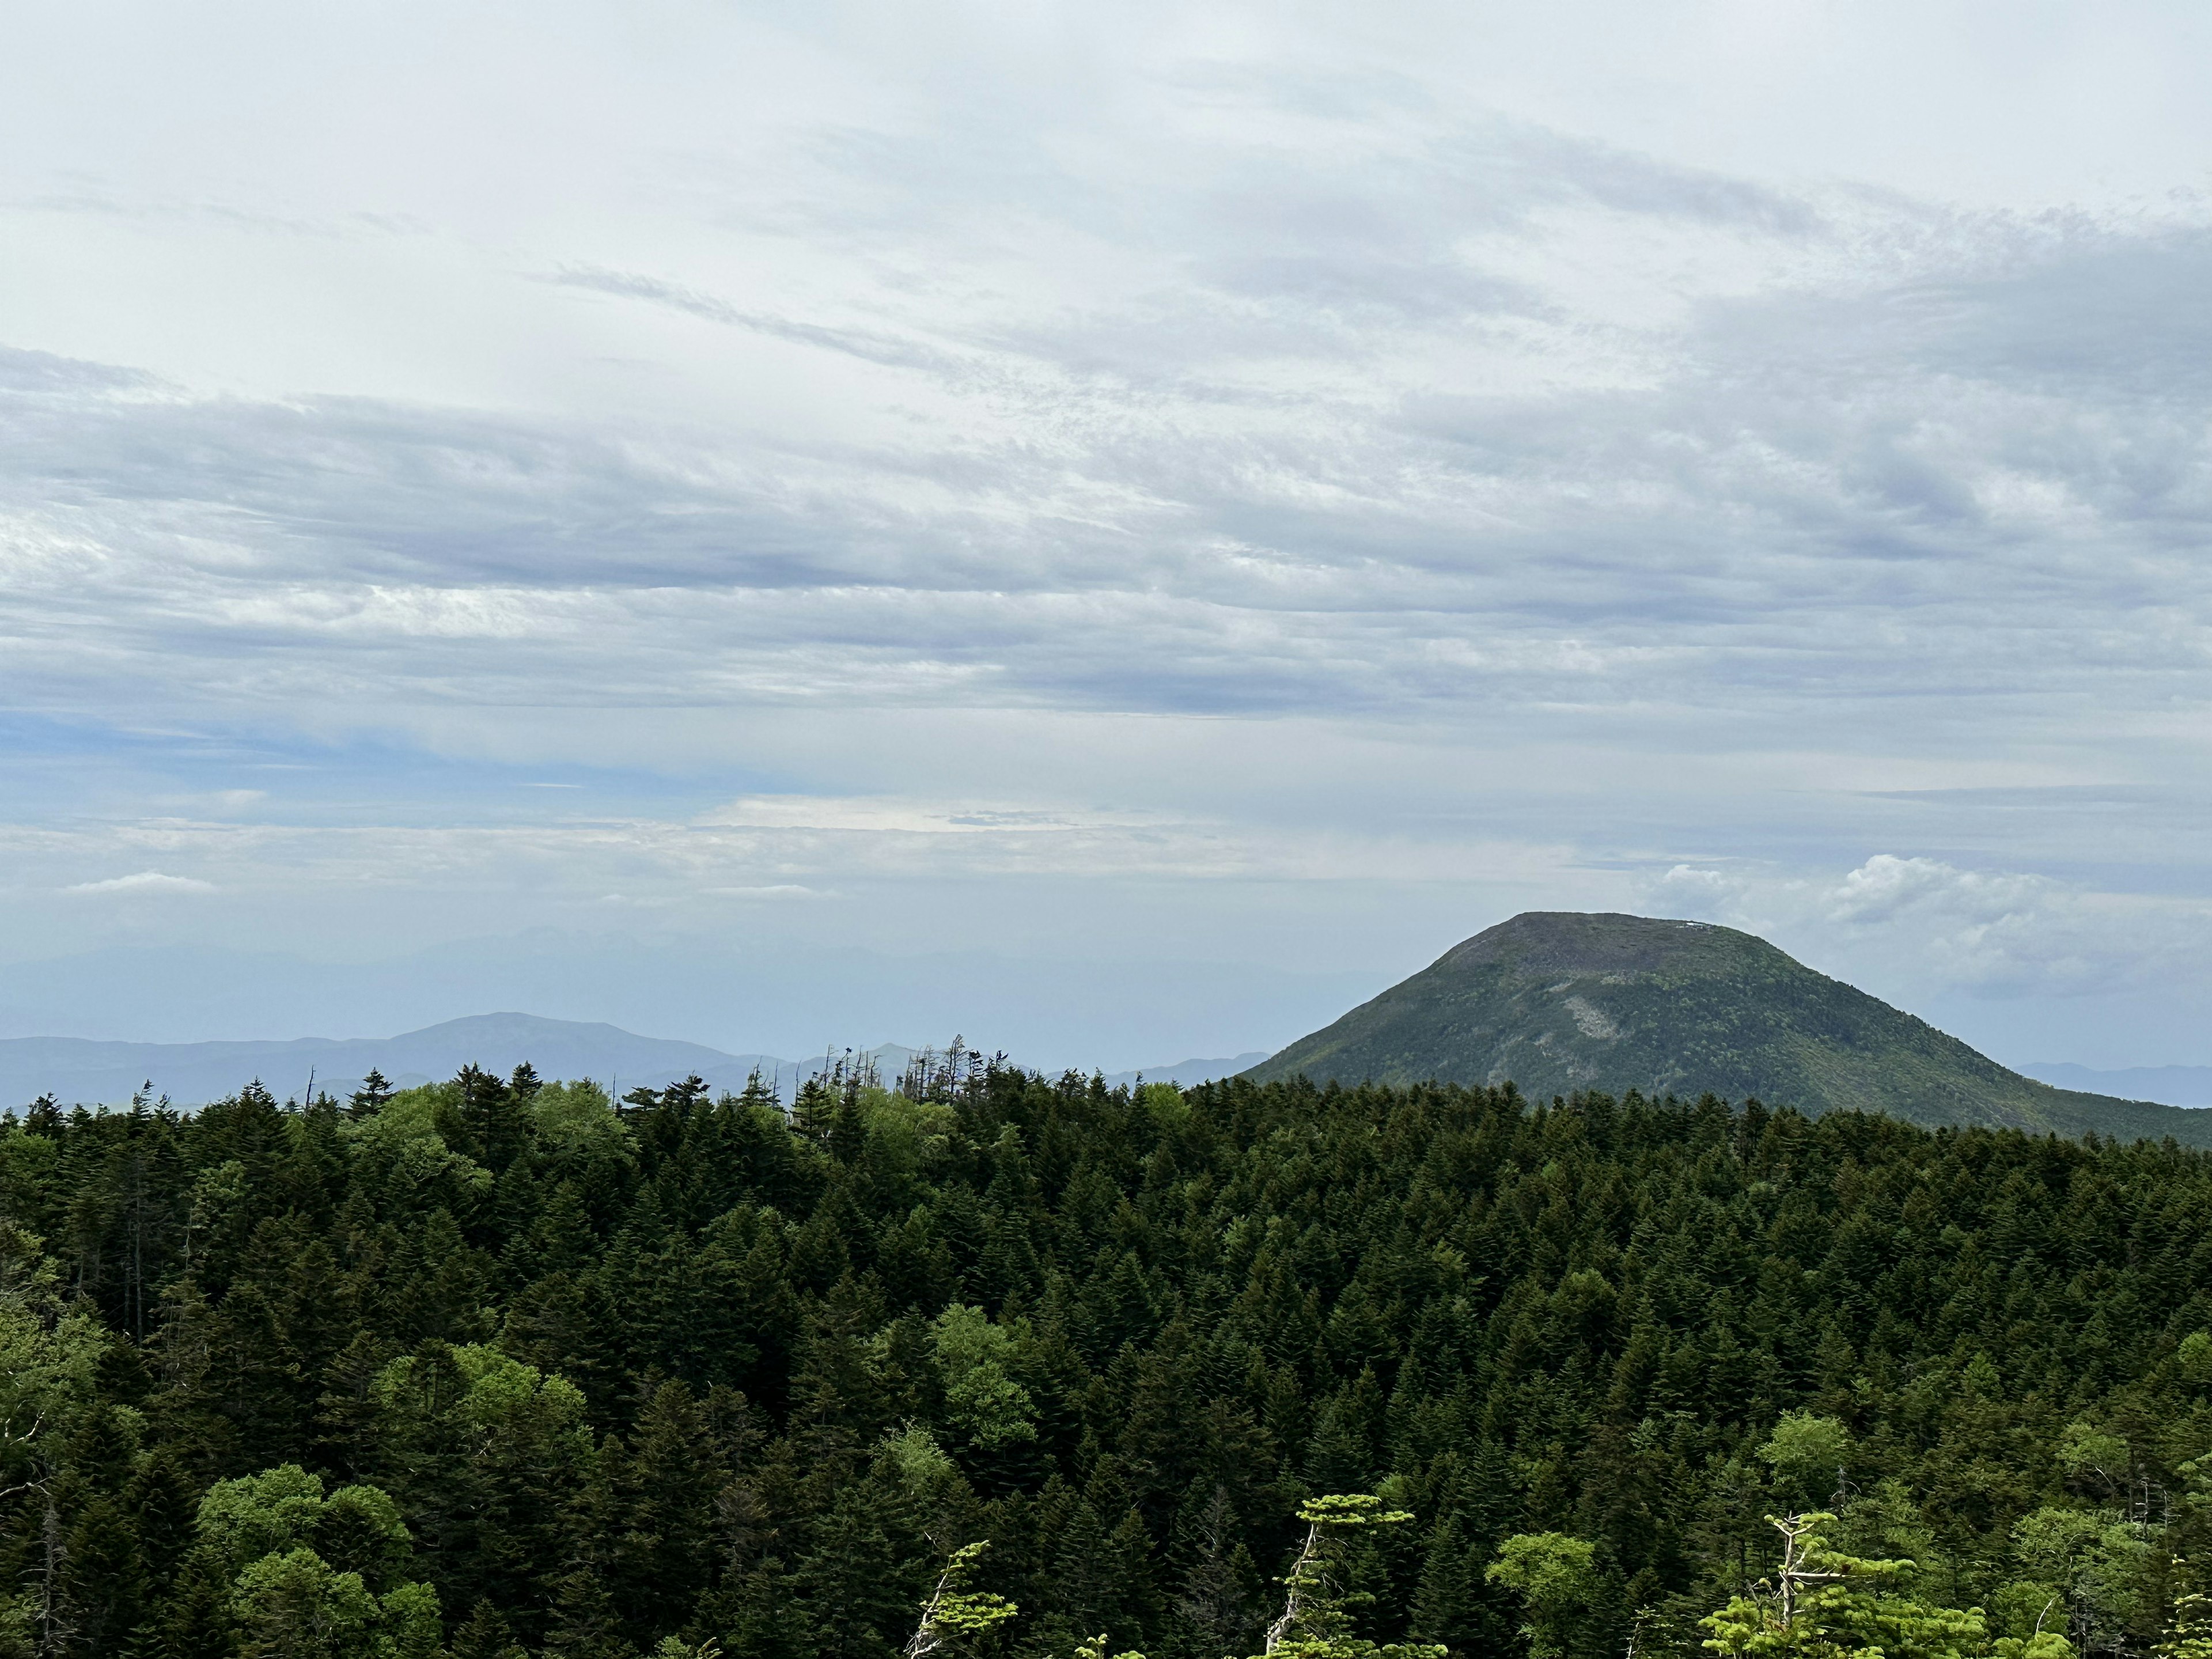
(498, 1368)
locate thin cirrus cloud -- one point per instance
(1922, 499)
(1403, 461)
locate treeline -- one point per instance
(498, 1368)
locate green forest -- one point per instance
(988, 1362)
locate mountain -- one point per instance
(192, 1074)
(1063, 1008)
(1557, 1001)
(1429, 1239)
(2176, 1085)
(1187, 1072)
(78, 1069)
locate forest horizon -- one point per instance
(498, 1366)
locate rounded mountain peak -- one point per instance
(1561, 1001)
(1606, 942)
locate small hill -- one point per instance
(1557, 1001)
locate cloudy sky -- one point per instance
(1117, 530)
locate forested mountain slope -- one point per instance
(493, 1367)
(1561, 1000)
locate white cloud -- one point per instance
(1924, 923)
(145, 881)
(1886, 887)
(879, 814)
(1396, 452)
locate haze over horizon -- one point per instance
(1113, 534)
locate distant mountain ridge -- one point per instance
(2170, 1085)
(1560, 1001)
(75, 1069)
(82, 1070)
(1187, 1072)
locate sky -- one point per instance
(1114, 530)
